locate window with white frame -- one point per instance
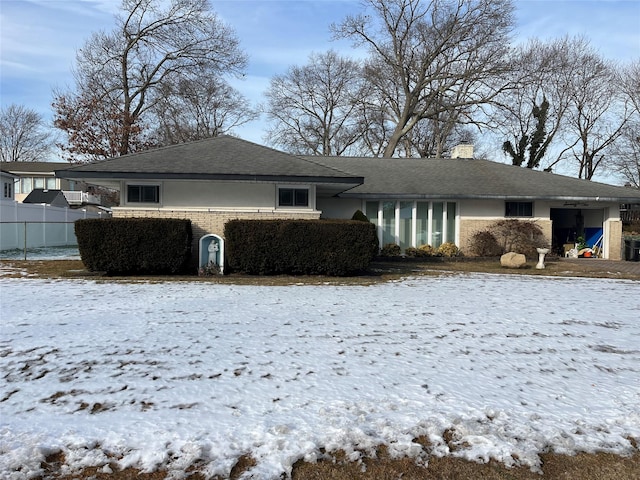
(143, 193)
(413, 223)
(293, 196)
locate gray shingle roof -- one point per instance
(32, 167)
(468, 178)
(49, 197)
(219, 158)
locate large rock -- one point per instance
(513, 260)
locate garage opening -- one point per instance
(572, 226)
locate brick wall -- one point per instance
(615, 240)
(468, 227)
(206, 221)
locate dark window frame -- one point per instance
(141, 193)
(290, 197)
(518, 209)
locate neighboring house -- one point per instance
(8, 181)
(41, 175)
(412, 201)
(55, 198)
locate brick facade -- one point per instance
(206, 221)
(468, 227)
(615, 239)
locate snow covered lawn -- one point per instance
(164, 375)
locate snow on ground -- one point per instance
(162, 375)
(42, 253)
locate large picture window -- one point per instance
(409, 223)
(518, 209)
(293, 197)
(143, 193)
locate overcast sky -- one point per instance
(39, 38)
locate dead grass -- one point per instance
(380, 271)
(336, 466)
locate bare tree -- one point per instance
(431, 57)
(197, 108)
(598, 113)
(531, 116)
(626, 150)
(318, 108)
(120, 72)
(23, 137)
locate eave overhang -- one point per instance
(88, 175)
(423, 196)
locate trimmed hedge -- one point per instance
(299, 247)
(126, 246)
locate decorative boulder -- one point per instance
(513, 260)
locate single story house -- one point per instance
(8, 180)
(30, 176)
(413, 201)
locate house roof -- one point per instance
(218, 158)
(233, 159)
(468, 179)
(49, 197)
(30, 168)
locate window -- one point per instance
(293, 197)
(7, 190)
(143, 193)
(51, 183)
(518, 209)
(26, 185)
(409, 223)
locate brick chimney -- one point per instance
(464, 150)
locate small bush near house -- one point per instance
(391, 250)
(427, 250)
(448, 250)
(423, 251)
(299, 247)
(128, 246)
(512, 235)
(484, 244)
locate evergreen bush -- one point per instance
(299, 247)
(134, 246)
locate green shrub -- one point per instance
(484, 244)
(307, 247)
(391, 250)
(448, 249)
(128, 246)
(359, 216)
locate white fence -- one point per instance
(24, 226)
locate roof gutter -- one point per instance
(205, 176)
(408, 196)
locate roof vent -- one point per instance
(464, 150)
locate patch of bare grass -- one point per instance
(337, 466)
